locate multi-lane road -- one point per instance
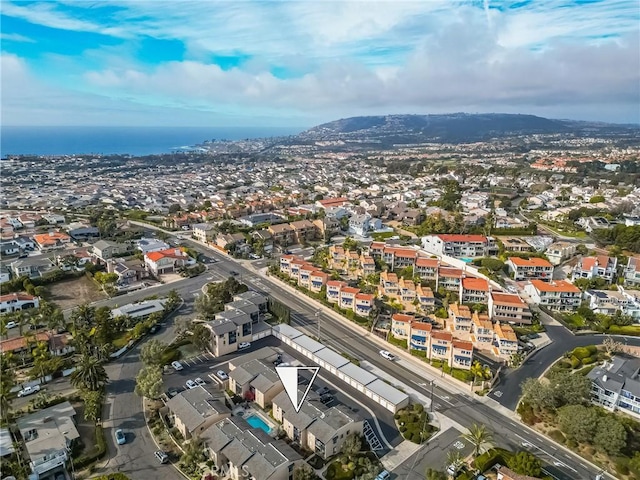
(125, 409)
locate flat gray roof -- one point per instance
(308, 343)
(386, 391)
(287, 330)
(332, 358)
(360, 375)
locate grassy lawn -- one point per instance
(412, 421)
(575, 319)
(122, 340)
(402, 343)
(625, 330)
(336, 472)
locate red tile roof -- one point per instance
(427, 262)
(450, 272)
(462, 345)
(471, 283)
(401, 317)
(462, 238)
(16, 296)
(424, 326)
(350, 290)
(532, 262)
(555, 286)
(448, 336)
(507, 299)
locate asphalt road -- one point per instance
(508, 391)
(461, 408)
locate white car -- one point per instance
(191, 384)
(29, 390)
(177, 366)
(222, 375)
(11, 325)
(200, 381)
(387, 355)
(244, 345)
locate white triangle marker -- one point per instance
(289, 378)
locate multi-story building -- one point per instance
(228, 330)
(558, 252)
(367, 266)
(318, 279)
(303, 231)
(529, 269)
(167, 261)
(516, 245)
(426, 299)
(347, 297)
(632, 272)
(474, 290)
(461, 354)
(505, 341)
(556, 295)
(14, 302)
(459, 246)
(509, 307)
(203, 232)
(459, 321)
(338, 259)
(388, 284)
(607, 302)
(481, 331)
(427, 268)
(616, 385)
(420, 336)
(601, 266)
(282, 234)
(333, 290)
(243, 452)
(450, 278)
(399, 257)
(401, 325)
(315, 426)
(440, 348)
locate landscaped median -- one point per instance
(413, 423)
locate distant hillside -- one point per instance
(457, 127)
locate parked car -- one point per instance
(383, 475)
(177, 365)
(154, 329)
(221, 374)
(326, 398)
(323, 391)
(200, 381)
(191, 384)
(172, 392)
(29, 390)
(162, 456)
(234, 273)
(277, 361)
(387, 355)
(244, 345)
(253, 256)
(120, 437)
(11, 325)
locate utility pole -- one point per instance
(318, 322)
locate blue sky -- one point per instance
(299, 63)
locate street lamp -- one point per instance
(317, 314)
(431, 403)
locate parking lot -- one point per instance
(205, 366)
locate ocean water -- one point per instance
(121, 140)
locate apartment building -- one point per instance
(602, 266)
(516, 245)
(481, 331)
(632, 272)
(401, 325)
(427, 268)
(388, 284)
(347, 297)
(303, 231)
(363, 304)
(256, 381)
(14, 302)
(556, 295)
(399, 257)
(459, 246)
(426, 299)
(510, 308)
(461, 354)
(616, 385)
(505, 341)
(459, 321)
(420, 336)
(529, 269)
(243, 452)
(367, 266)
(203, 232)
(317, 279)
(228, 330)
(315, 426)
(450, 278)
(607, 302)
(440, 347)
(333, 290)
(282, 234)
(474, 290)
(558, 252)
(194, 410)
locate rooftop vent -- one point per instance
(604, 378)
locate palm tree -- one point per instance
(479, 371)
(454, 461)
(478, 436)
(89, 374)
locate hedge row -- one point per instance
(488, 459)
(98, 452)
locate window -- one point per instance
(232, 337)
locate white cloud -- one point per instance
(16, 37)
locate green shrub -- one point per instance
(581, 352)
(97, 453)
(488, 459)
(590, 360)
(403, 428)
(418, 408)
(575, 362)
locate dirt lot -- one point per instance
(71, 293)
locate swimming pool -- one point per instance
(466, 259)
(256, 422)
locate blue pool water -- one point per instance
(466, 259)
(257, 422)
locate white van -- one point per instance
(387, 355)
